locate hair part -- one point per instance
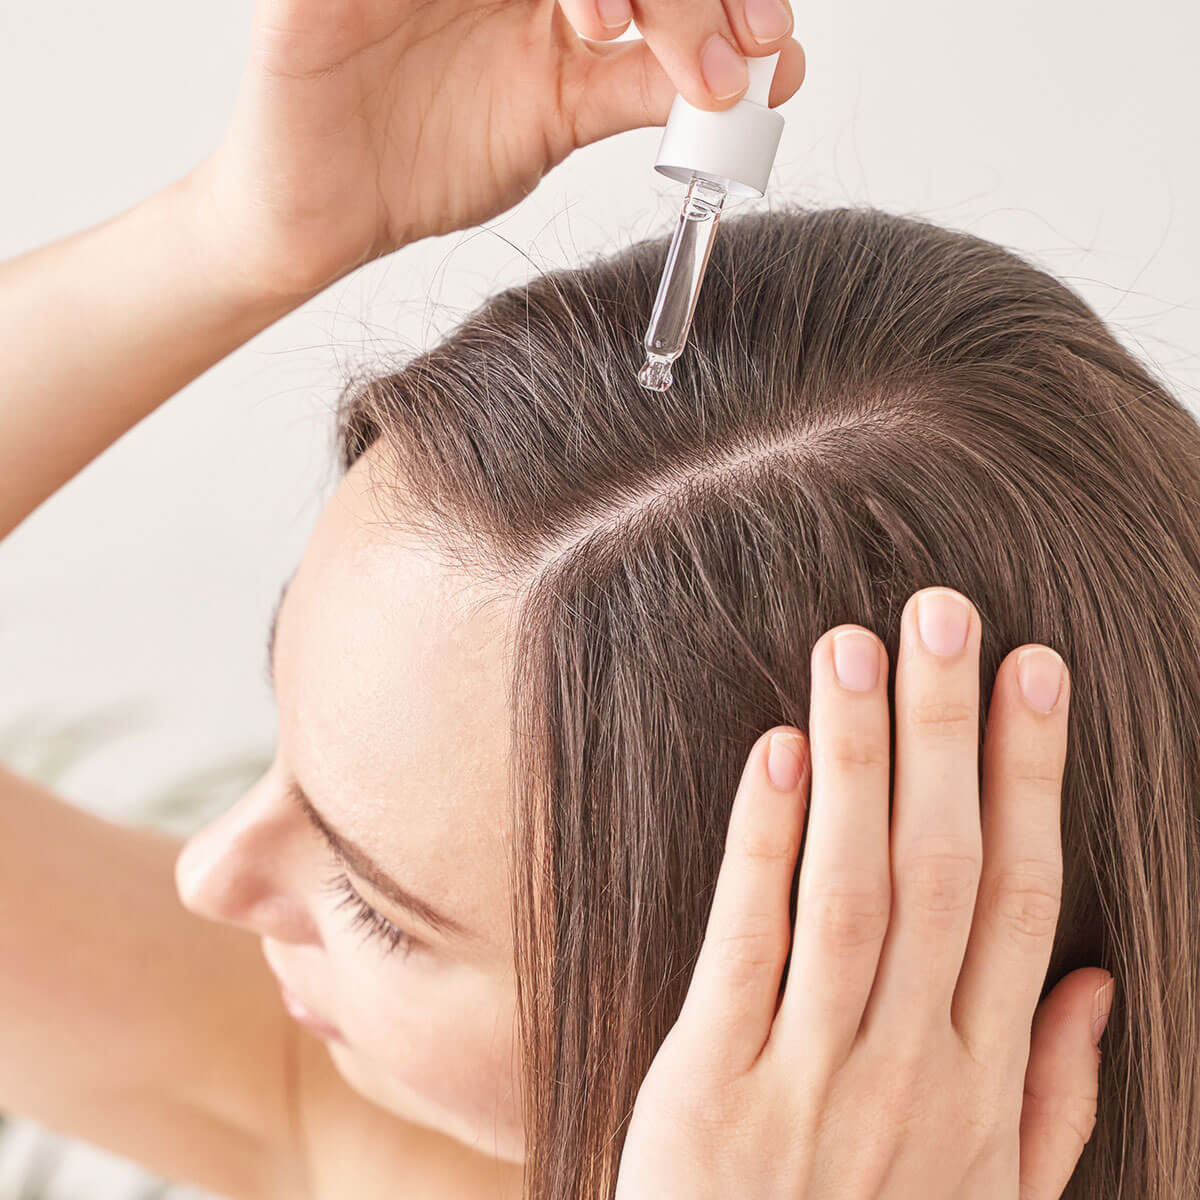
(869, 404)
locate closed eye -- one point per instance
(374, 923)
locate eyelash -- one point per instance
(375, 925)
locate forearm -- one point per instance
(99, 328)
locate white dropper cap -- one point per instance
(734, 147)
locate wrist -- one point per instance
(241, 266)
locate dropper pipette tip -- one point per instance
(655, 373)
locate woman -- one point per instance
(530, 655)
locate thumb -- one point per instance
(1062, 1084)
(622, 86)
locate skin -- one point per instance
(322, 169)
(904, 1052)
(335, 152)
(915, 999)
(323, 108)
(389, 679)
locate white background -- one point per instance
(1065, 130)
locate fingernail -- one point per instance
(784, 761)
(1101, 1007)
(723, 67)
(856, 659)
(614, 13)
(769, 20)
(942, 620)
(1040, 672)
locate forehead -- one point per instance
(390, 681)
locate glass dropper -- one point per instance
(717, 153)
(679, 288)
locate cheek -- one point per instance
(440, 1040)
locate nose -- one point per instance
(246, 868)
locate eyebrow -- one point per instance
(352, 855)
(365, 867)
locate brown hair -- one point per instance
(868, 404)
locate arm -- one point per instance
(312, 181)
(103, 326)
(127, 1020)
(359, 128)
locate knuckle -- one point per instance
(687, 1087)
(937, 717)
(1026, 899)
(747, 952)
(846, 919)
(1042, 776)
(1077, 1113)
(725, 1114)
(942, 882)
(905, 1056)
(853, 752)
(764, 843)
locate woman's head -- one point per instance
(387, 796)
(631, 582)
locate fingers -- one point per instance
(598, 20)
(1016, 914)
(844, 889)
(611, 87)
(703, 47)
(1062, 1085)
(701, 44)
(734, 989)
(945, 919)
(624, 86)
(936, 839)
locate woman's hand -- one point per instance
(898, 1059)
(365, 125)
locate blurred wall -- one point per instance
(1065, 130)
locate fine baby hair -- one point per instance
(871, 404)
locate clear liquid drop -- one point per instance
(655, 373)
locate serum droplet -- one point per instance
(655, 373)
